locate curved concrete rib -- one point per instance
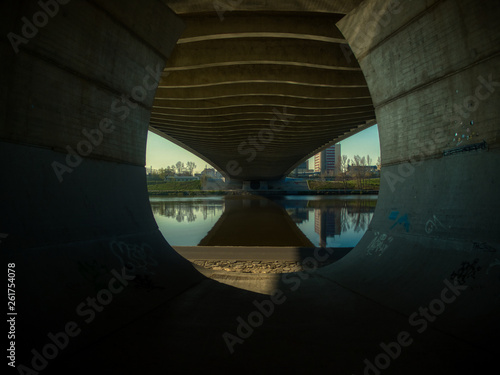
(419, 294)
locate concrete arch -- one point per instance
(77, 224)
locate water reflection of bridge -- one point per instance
(257, 221)
(254, 221)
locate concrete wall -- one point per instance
(75, 204)
(426, 63)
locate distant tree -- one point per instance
(344, 168)
(190, 167)
(162, 173)
(362, 172)
(180, 167)
(170, 171)
(356, 161)
(153, 176)
(368, 171)
(379, 164)
(357, 169)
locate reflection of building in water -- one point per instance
(326, 223)
(298, 215)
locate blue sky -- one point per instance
(161, 153)
(363, 143)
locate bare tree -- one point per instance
(362, 172)
(356, 167)
(170, 171)
(180, 167)
(190, 167)
(344, 168)
(368, 165)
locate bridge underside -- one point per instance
(257, 92)
(76, 215)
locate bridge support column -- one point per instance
(255, 185)
(434, 77)
(77, 89)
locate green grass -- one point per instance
(373, 183)
(370, 184)
(174, 185)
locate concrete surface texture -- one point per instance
(99, 290)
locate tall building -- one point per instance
(328, 160)
(327, 223)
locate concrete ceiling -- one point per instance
(323, 6)
(235, 73)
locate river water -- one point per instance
(331, 221)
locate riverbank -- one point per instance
(316, 187)
(266, 259)
(366, 184)
(204, 193)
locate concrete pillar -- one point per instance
(433, 70)
(78, 81)
(254, 185)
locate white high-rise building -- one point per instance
(328, 161)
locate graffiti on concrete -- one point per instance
(379, 244)
(483, 246)
(137, 259)
(403, 220)
(433, 224)
(467, 270)
(145, 282)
